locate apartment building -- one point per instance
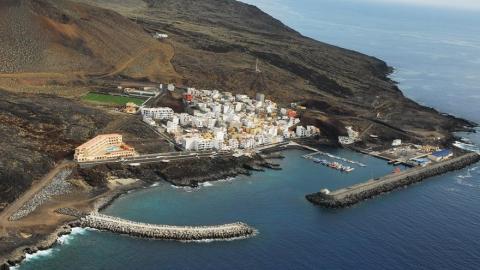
(103, 147)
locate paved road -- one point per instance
(160, 157)
(172, 156)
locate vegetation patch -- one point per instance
(111, 99)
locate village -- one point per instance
(213, 122)
(226, 122)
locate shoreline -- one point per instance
(104, 200)
(18, 256)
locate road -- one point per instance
(25, 197)
(172, 156)
(160, 157)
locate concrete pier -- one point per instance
(351, 195)
(167, 232)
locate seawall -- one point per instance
(351, 195)
(167, 232)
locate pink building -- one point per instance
(103, 147)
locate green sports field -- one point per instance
(112, 100)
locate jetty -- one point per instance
(351, 195)
(166, 232)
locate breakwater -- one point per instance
(167, 232)
(351, 195)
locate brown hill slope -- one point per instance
(217, 42)
(57, 36)
(214, 44)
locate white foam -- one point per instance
(38, 254)
(155, 184)
(207, 184)
(65, 239)
(467, 146)
(186, 189)
(228, 179)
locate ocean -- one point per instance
(431, 225)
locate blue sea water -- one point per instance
(432, 225)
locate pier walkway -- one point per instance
(167, 232)
(356, 193)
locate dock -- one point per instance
(351, 195)
(165, 232)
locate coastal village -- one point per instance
(222, 122)
(214, 120)
(86, 119)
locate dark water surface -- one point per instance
(432, 225)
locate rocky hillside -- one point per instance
(217, 43)
(37, 131)
(57, 36)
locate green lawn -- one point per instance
(109, 99)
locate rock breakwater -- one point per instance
(58, 186)
(167, 232)
(354, 194)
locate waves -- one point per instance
(42, 254)
(204, 184)
(65, 239)
(467, 146)
(469, 178)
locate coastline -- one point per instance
(50, 240)
(102, 201)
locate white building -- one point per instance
(211, 123)
(198, 122)
(172, 126)
(352, 133)
(188, 143)
(149, 121)
(247, 143)
(312, 130)
(233, 144)
(301, 131)
(345, 140)
(203, 144)
(160, 36)
(397, 142)
(162, 113)
(185, 119)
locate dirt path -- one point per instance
(36, 187)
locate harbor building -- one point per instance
(441, 155)
(103, 147)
